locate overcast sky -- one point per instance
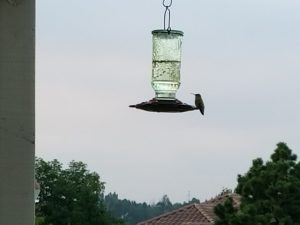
(93, 59)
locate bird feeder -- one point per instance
(166, 63)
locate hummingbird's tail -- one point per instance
(201, 111)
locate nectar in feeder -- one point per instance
(166, 62)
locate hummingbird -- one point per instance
(199, 103)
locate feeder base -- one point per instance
(167, 106)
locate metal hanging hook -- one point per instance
(167, 5)
(167, 11)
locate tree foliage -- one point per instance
(270, 193)
(132, 212)
(71, 196)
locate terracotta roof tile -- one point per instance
(193, 214)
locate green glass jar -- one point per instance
(166, 62)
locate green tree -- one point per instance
(132, 212)
(270, 193)
(71, 196)
(164, 205)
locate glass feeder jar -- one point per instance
(166, 62)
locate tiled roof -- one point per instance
(193, 214)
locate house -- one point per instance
(193, 214)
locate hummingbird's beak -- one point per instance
(192, 94)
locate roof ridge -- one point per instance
(167, 213)
(198, 206)
(220, 197)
